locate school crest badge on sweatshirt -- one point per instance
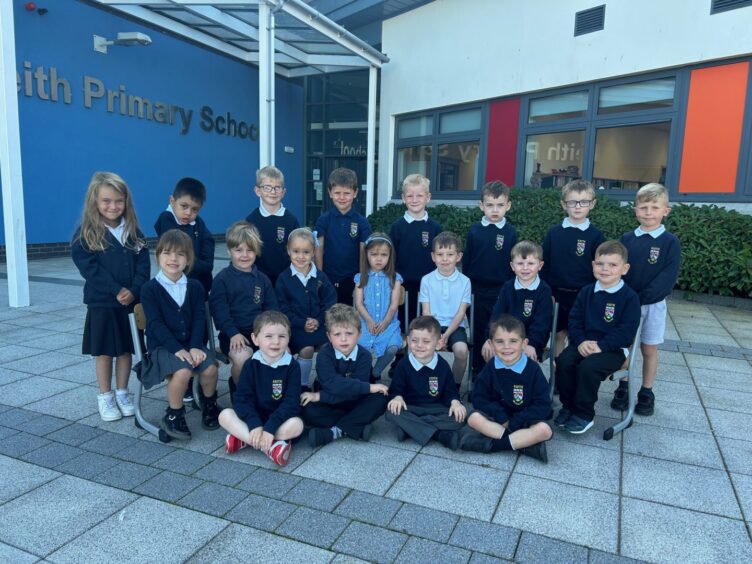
(257, 294)
(353, 230)
(580, 250)
(654, 254)
(424, 238)
(433, 386)
(527, 308)
(280, 234)
(276, 389)
(608, 313)
(499, 242)
(518, 394)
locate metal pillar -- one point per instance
(266, 85)
(371, 140)
(10, 165)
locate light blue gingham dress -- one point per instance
(377, 297)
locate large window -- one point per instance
(443, 145)
(617, 134)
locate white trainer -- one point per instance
(124, 403)
(108, 409)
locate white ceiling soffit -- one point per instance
(306, 41)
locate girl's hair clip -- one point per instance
(378, 238)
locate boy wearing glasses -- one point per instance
(569, 250)
(273, 221)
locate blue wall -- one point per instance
(63, 144)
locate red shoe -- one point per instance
(233, 444)
(279, 453)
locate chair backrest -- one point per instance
(140, 316)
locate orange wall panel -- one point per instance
(713, 131)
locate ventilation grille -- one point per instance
(717, 6)
(588, 21)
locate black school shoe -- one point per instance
(475, 442)
(401, 435)
(645, 402)
(319, 436)
(188, 395)
(537, 451)
(210, 413)
(563, 417)
(620, 401)
(175, 426)
(450, 439)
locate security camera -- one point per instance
(132, 38)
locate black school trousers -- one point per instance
(484, 300)
(350, 416)
(578, 378)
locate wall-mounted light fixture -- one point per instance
(127, 38)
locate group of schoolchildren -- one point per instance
(289, 292)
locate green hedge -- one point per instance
(716, 243)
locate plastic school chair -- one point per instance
(627, 370)
(552, 355)
(137, 321)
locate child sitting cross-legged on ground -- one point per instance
(346, 404)
(510, 397)
(266, 399)
(425, 402)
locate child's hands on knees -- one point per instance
(379, 389)
(586, 348)
(487, 351)
(125, 297)
(442, 343)
(239, 343)
(185, 356)
(254, 437)
(309, 397)
(458, 411)
(311, 325)
(373, 327)
(396, 406)
(198, 356)
(531, 353)
(266, 441)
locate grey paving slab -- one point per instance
(73, 326)
(225, 472)
(384, 433)
(126, 475)
(717, 398)
(723, 378)
(743, 488)
(168, 486)
(424, 522)
(81, 373)
(75, 434)
(166, 534)
(183, 461)
(17, 418)
(672, 358)
(668, 372)
(369, 508)
(261, 512)
(123, 427)
(20, 477)
(34, 320)
(527, 505)
(682, 485)
(421, 550)
(143, 452)
(20, 444)
(480, 558)
(12, 353)
(58, 341)
(243, 544)
(313, 527)
(347, 559)
(213, 499)
(659, 533)
(599, 557)
(88, 465)
(737, 454)
(8, 376)
(353, 464)
(370, 543)
(673, 444)
(11, 554)
(73, 404)
(45, 424)
(109, 443)
(450, 486)
(52, 455)
(316, 494)
(45, 362)
(594, 437)
(676, 416)
(577, 464)
(541, 550)
(76, 504)
(269, 483)
(676, 392)
(33, 388)
(730, 424)
(729, 365)
(499, 460)
(6, 432)
(488, 538)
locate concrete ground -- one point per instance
(676, 487)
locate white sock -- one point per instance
(306, 365)
(336, 432)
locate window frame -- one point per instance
(434, 140)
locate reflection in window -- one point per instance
(647, 95)
(458, 166)
(455, 122)
(416, 127)
(413, 160)
(562, 106)
(553, 159)
(630, 156)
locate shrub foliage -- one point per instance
(716, 242)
